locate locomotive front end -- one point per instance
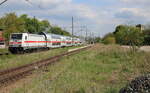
(15, 43)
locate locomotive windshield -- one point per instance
(16, 36)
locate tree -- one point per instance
(118, 28)
(59, 31)
(33, 25)
(108, 35)
(146, 34)
(97, 39)
(109, 40)
(11, 24)
(128, 35)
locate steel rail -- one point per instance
(13, 74)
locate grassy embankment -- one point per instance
(101, 69)
(3, 51)
(8, 61)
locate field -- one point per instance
(100, 69)
(3, 50)
(9, 61)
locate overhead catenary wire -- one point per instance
(3, 2)
(28, 1)
(31, 3)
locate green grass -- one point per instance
(101, 69)
(8, 61)
(3, 50)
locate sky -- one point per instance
(96, 16)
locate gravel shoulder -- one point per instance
(143, 48)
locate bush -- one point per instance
(109, 40)
(128, 35)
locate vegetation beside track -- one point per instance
(9, 61)
(101, 69)
(3, 51)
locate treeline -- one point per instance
(128, 35)
(11, 23)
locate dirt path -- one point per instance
(143, 48)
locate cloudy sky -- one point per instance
(100, 16)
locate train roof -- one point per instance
(53, 34)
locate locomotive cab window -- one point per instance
(16, 36)
(2, 43)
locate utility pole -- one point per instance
(86, 34)
(72, 29)
(81, 32)
(93, 37)
(90, 37)
(35, 25)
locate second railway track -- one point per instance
(4, 54)
(13, 74)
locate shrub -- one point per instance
(109, 40)
(128, 35)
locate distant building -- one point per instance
(2, 40)
(142, 27)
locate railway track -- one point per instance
(38, 51)
(4, 54)
(11, 75)
(8, 53)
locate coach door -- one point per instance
(26, 44)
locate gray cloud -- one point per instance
(134, 15)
